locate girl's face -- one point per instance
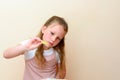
(53, 34)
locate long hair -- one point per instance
(61, 45)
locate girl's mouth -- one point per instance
(50, 43)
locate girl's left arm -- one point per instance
(61, 73)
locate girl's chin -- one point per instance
(47, 47)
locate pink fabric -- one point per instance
(34, 72)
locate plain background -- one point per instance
(92, 43)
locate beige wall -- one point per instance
(92, 44)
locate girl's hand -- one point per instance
(33, 43)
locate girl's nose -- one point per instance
(54, 38)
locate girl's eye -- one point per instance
(58, 38)
(52, 33)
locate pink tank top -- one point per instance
(35, 72)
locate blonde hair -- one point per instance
(61, 45)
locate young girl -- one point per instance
(44, 54)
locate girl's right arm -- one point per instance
(14, 51)
(22, 48)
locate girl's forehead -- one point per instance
(56, 26)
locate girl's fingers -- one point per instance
(33, 43)
(36, 40)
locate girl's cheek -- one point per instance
(46, 36)
(56, 43)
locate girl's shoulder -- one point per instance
(30, 54)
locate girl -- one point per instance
(44, 54)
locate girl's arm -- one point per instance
(22, 48)
(14, 51)
(61, 73)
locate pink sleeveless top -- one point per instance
(35, 72)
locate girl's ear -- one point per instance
(43, 29)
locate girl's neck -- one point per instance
(45, 48)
